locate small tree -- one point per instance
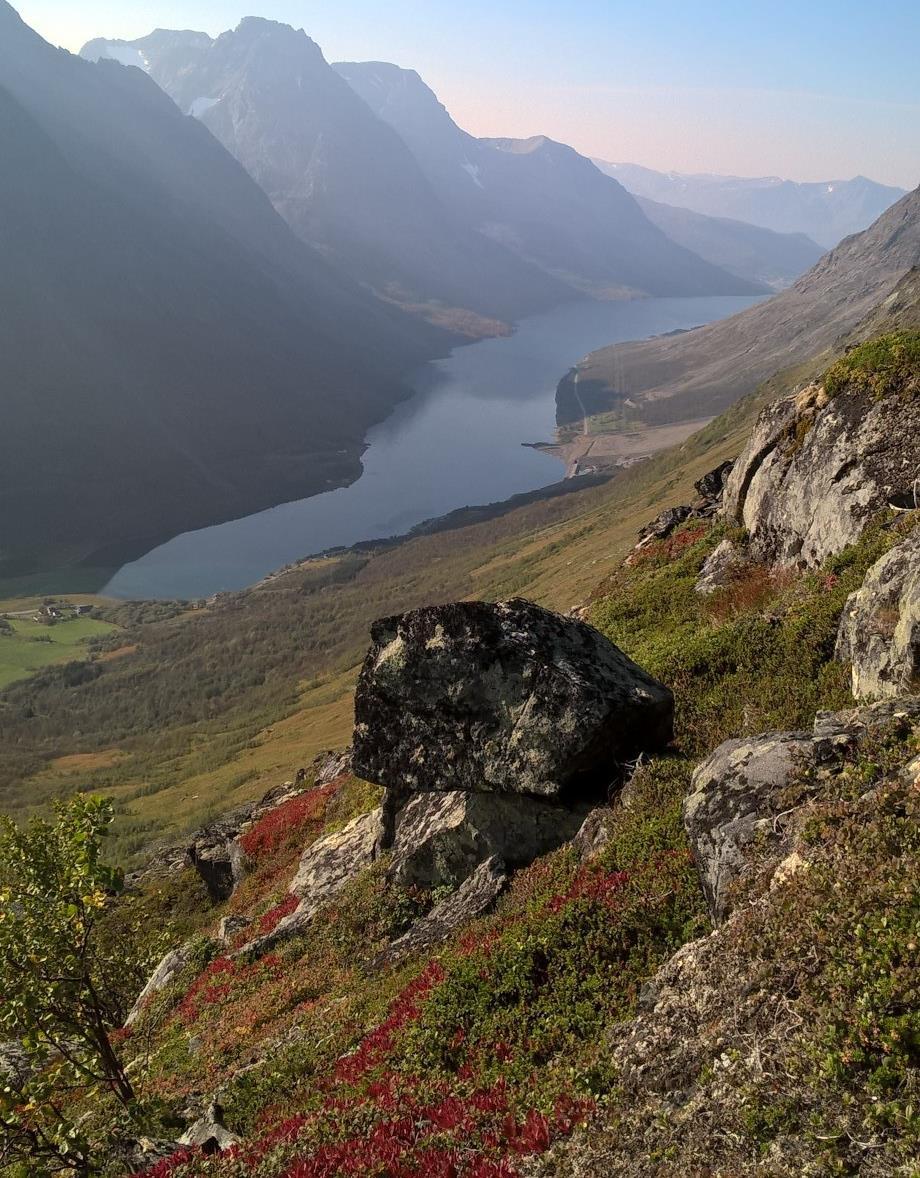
(59, 999)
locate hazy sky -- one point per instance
(810, 89)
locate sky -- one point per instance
(810, 90)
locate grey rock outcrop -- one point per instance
(330, 765)
(328, 864)
(817, 468)
(219, 860)
(666, 522)
(732, 801)
(326, 867)
(209, 1133)
(711, 486)
(475, 896)
(211, 843)
(880, 627)
(736, 797)
(720, 567)
(441, 838)
(506, 698)
(167, 970)
(230, 927)
(594, 833)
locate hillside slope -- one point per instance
(184, 711)
(826, 211)
(677, 377)
(507, 973)
(168, 350)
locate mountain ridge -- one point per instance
(162, 296)
(826, 210)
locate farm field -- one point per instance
(29, 645)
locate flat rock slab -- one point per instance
(475, 896)
(504, 698)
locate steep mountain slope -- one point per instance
(170, 353)
(664, 990)
(344, 181)
(676, 377)
(760, 255)
(827, 211)
(186, 718)
(537, 197)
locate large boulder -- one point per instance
(879, 631)
(507, 698)
(818, 467)
(441, 838)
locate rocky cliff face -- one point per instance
(822, 463)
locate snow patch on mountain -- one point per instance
(201, 105)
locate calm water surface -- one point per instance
(456, 442)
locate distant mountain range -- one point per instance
(827, 212)
(700, 373)
(365, 164)
(538, 198)
(341, 178)
(170, 353)
(203, 315)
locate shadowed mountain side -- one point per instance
(539, 198)
(165, 334)
(703, 371)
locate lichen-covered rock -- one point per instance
(732, 800)
(441, 838)
(326, 867)
(508, 698)
(472, 899)
(736, 796)
(819, 467)
(719, 567)
(880, 627)
(167, 970)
